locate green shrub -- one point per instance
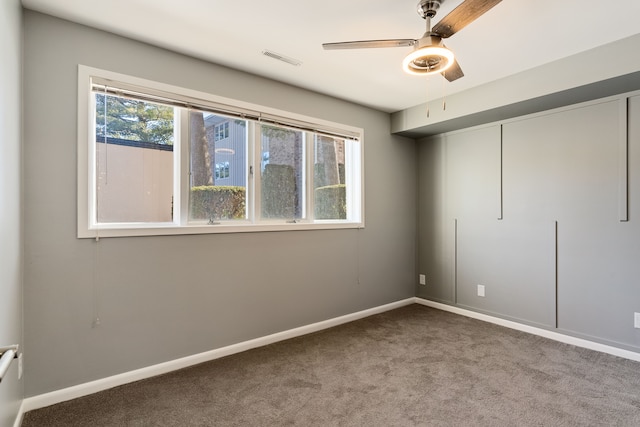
(209, 202)
(331, 202)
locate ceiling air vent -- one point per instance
(282, 58)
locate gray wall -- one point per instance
(161, 298)
(534, 209)
(10, 201)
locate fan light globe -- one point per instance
(428, 60)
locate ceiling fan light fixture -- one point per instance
(428, 60)
(430, 56)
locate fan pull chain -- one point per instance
(444, 93)
(427, 93)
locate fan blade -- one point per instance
(366, 44)
(467, 12)
(454, 72)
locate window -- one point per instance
(222, 170)
(283, 177)
(133, 160)
(156, 159)
(215, 194)
(330, 185)
(222, 131)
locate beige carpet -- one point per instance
(413, 366)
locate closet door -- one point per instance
(563, 168)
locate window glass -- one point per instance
(218, 167)
(329, 183)
(282, 174)
(134, 160)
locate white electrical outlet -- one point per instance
(423, 279)
(481, 290)
(636, 320)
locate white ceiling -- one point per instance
(514, 36)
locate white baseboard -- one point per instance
(556, 336)
(58, 396)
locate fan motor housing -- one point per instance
(428, 8)
(429, 39)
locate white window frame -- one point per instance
(88, 228)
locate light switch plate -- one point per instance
(481, 290)
(636, 320)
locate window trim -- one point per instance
(87, 76)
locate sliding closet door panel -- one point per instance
(473, 170)
(600, 260)
(633, 159)
(458, 180)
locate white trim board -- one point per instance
(556, 336)
(74, 392)
(20, 416)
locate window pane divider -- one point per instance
(183, 171)
(310, 161)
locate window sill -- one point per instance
(218, 228)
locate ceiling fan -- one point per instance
(430, 56)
